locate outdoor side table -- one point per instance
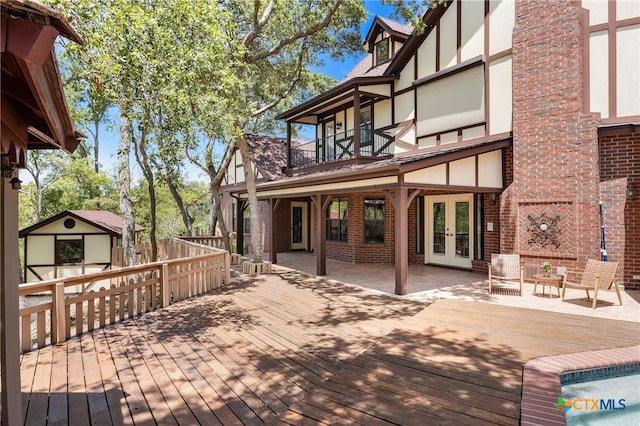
(545, 280)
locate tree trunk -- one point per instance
(96, 146)
(254, 219)
(188, 223)
(148, 175)
(124, 184)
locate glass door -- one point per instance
(449, 235)
(298, 226)
(330, 140)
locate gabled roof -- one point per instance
(395, 29)
(107, 221)
(269, 154)
(361, 74)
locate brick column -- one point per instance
(555, 143)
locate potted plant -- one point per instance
(546, 267)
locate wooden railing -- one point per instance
(123, 293)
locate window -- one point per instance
(374, 220)
(246, 221)
(337, 220)
(68, 251)
(382, 51)
(419, 224)
(365, 128)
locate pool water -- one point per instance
(602, 396)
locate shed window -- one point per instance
(382, 51)
(337, 220)
(374, 220)
(68, 251)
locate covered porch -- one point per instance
(427, 183)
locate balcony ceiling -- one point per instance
(343, 95)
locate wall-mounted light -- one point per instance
(493, 197)
(631, 192)
(543, 227)
(16, 183)
(338, 125)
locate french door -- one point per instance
(298, 225)
(449, 230)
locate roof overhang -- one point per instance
(378, 175)
(34, 110)
(367, 88)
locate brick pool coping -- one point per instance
(541, 380)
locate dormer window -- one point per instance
(382, 51)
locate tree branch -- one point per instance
(292, 85)
(302, 34)
(258, 25)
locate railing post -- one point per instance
(58, 326)
(165, 288)
(227, 268)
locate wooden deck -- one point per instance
(289, 349)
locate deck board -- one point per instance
(286, 348)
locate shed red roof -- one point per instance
(107, 219)
(110, 222)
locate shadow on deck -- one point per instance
(288, 348)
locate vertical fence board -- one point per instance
(26, 333)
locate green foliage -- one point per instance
(66, 182)
(169, 221)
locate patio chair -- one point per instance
(505, 267)
(597, 275)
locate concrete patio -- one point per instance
(430, 283)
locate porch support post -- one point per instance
(288, 144)
(274, 203)
(401, 230)
(9, 313)
(240, 207)
(356, 122)
(321, 242)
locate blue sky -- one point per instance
(338, 69)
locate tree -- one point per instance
(274, 44)
(63, 182)
(216, 173)
(182, 72)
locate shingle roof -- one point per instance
(406, 29)
(106, 219)
(364, 69)
(269, 154)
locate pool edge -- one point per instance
(541, 380)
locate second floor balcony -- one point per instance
(373, 144)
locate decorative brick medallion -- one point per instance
(545, 228)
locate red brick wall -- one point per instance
(555, 146)
(620, 167)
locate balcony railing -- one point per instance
(340, 147)
(52, 314)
